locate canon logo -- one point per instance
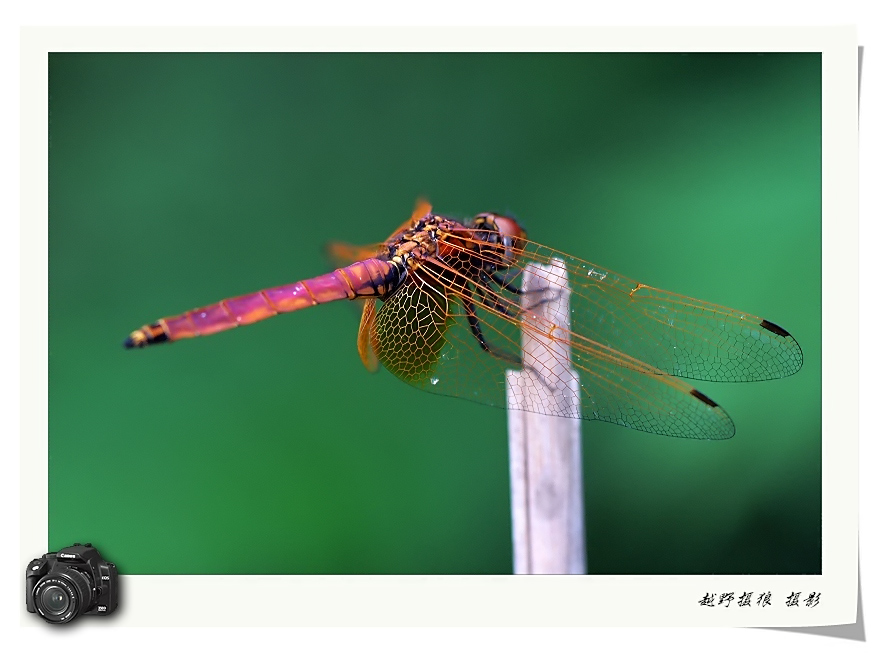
(66, 555)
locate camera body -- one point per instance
(72, 581)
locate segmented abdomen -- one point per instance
(370, 278)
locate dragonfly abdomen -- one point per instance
(370, 278)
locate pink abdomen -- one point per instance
(370, 278)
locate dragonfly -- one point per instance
(452, 307)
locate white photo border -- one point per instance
(475, 600)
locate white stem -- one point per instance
(545, 450)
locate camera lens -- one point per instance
(61, 596)
(54, 600)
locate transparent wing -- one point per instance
(425, 335)
(342, 254)
(675, 334)
(408, 332)
(365, 348)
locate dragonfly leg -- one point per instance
(506, 283)
(482, 295)
(474, 323)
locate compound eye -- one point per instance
(510, 237)
(509, 229)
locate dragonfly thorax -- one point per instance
(418, 242)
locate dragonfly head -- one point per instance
(503, 232)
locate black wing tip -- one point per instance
(774, 328)
(728, 430)
(129, 343)
(797, 354)
(699, 395)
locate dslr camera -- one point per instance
(73, 581)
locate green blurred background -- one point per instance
(179, 179)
